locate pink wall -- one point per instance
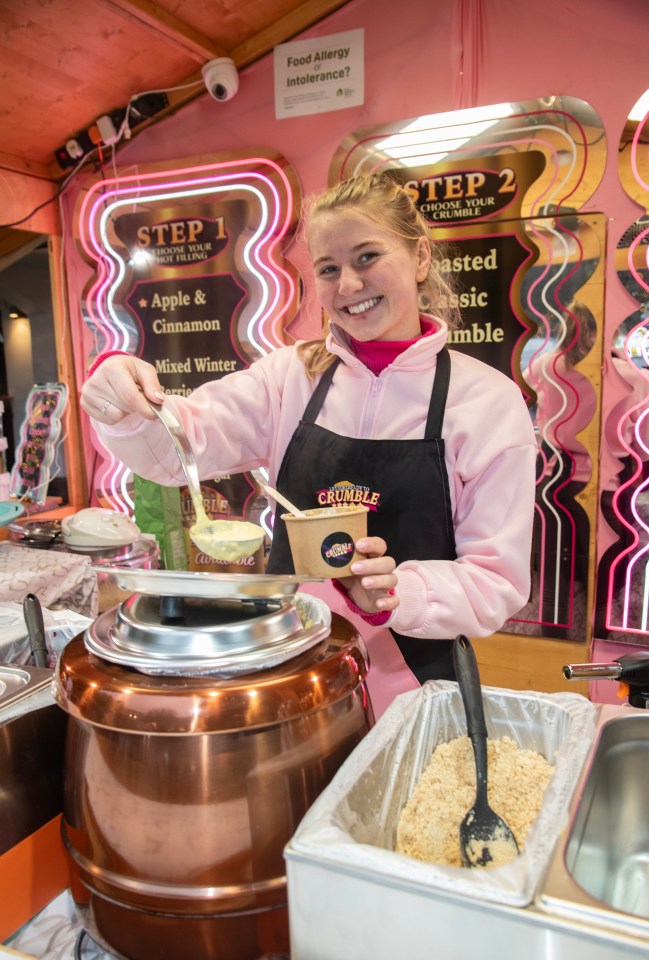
(424, 57)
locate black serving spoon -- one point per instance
(33, 613)
(484, 836)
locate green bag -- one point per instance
(157, 511)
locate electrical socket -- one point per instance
(74, 149)
(107, 130)
(147, 105)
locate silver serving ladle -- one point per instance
(226, 540)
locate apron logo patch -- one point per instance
(347, 493)
(337, 549)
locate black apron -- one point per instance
(405, 481)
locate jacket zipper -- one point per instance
(370, 408)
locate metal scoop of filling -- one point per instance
(228, 540)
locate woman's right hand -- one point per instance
(118, 387)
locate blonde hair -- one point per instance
(380, 198)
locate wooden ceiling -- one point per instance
(64, 63)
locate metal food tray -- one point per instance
(17, 682)
(352, 825)
(216, 586)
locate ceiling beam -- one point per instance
(15, 244)
(28, 168)
(29, 203)
(284, 29)
(292, 24)
(201, 48)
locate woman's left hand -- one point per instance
(372, 586)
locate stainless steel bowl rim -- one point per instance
(199, 584)
(38, 530)
(222, 665)
(251, 637)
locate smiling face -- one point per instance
(366, 276)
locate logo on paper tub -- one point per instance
(337, 549)
(345, 493)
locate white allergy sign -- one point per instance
(319, 75)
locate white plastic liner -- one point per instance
(353, 823)
(60, 627)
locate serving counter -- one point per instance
(579, 890)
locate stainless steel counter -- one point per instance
(591, 902)
(32, 734)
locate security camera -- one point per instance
(221, 78)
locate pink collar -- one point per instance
(379, 354)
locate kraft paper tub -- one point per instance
(323, 541)
(350, 830)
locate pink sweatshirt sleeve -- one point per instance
(234, 424)
(99, 359)
(374, 619)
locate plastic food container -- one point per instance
(97, 527)
(342, 854)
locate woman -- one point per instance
(442, 442)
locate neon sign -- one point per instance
(501, 187)
(39, 435)
(214, 231)
(623, 577)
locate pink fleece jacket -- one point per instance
(246, 420)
